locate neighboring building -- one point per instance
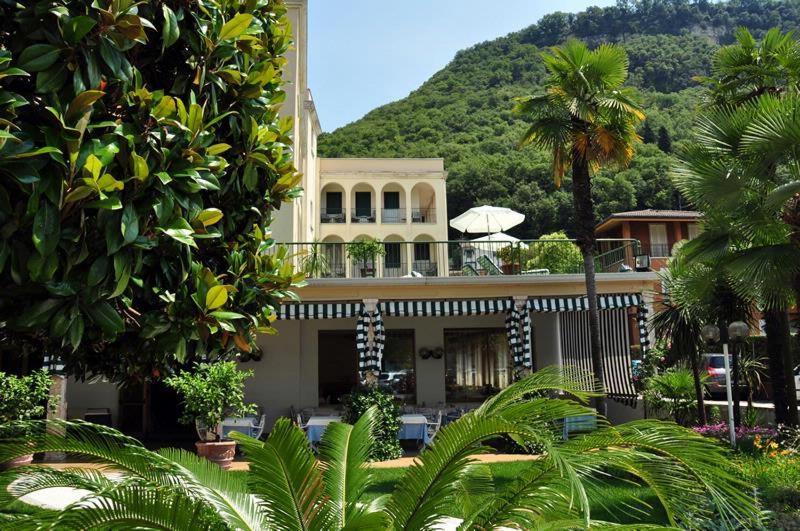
(657, 231)
(445, 321)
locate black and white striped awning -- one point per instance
(320, 310)
(445, 308)
(578, 304)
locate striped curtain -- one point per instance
(370, 353)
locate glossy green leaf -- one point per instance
(98, 270)
(235, 26)
(38, 57)
(209, 216)
(46, 228)
(129, 227)
(52, 79)
(169, 31)
(77, 28)
(106, 317)
(216, 297)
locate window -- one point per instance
(694, 231)
(477, 364)
(659, 245)
(399, 374)
(363, 204)
(333, 200)
(393, 255)
(422, 251)
(391, 200)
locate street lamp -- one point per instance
(737, 331)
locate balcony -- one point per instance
(393, 215)
(332, 215)
(463, 258)
(423, 215)
(362, 215)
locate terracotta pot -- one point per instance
(221, 452)
(17, 462)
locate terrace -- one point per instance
(425, 257)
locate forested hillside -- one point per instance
(464, 112)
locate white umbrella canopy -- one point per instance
(487, 219)
(499, 237)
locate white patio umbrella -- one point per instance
(499, 237)
(487, 219)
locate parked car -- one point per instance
(714, 364)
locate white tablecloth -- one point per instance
(316, 426)
(414, 428)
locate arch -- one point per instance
(333, 203)
(393, 203)
(333, 248)
(363, 203)
(425, 255)
(423, 203)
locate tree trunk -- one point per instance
(584, 228)
(780, 370)
(698, 389)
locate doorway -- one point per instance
(337, 365)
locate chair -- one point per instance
(489, 265)
(252, 426)
(536, 272)
(579, 424)
(468, 270)
(433, 425)
(300, 424)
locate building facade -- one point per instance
(441, 322)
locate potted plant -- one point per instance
(22, 398)
(315, 261)
(211, 392)
(364, 252)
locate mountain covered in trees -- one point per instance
(464, 112)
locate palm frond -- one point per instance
(286, 476)
(344, 450)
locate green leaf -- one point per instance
(195, 120)
(46, 228)
(51, 80)
(209, 216)
(216, 297)
(235, 26)
(178, 231)
(122, 273)
(169, 31)
(139, 166)
(106, 317)
(227, 316)
(217, 149)
(81, 192)
(76, 28)
(97, 272)
(39, 313)
(38, 57)
(82, 103)
(129, 227)
(76, 332)
(92, 167)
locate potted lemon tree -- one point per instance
(211, 392)
(22, 398)
(364, 253)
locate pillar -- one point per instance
(57, 410)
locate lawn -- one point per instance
(629, 501)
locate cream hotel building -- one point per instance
(441, 323)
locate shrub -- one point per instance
(23, 397)
(211, 392)
(557, 256)
(386, 446)
(143, 157)
(672, 391)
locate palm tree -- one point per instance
(289, 488)
(586, 119)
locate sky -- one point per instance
(366, 53)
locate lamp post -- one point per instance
(737, 331)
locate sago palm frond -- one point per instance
(287, 478)
(344, 450)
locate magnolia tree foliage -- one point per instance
(142, 156)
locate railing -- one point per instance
(332, 215)
(393, 215)
(658, 250)
(462, 258)
(423, 215)
(362, 215)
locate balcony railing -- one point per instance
(332, 215)
(393, 215)
(423, 215)
(362, 215)
(462, 258)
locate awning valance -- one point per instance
(579, 304)
(319, 310)
(445, 308)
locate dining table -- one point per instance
(414, 427)
(317, 425)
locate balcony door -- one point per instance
(659, 244)
(391, 207)
(333, 201)
(363, 204)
